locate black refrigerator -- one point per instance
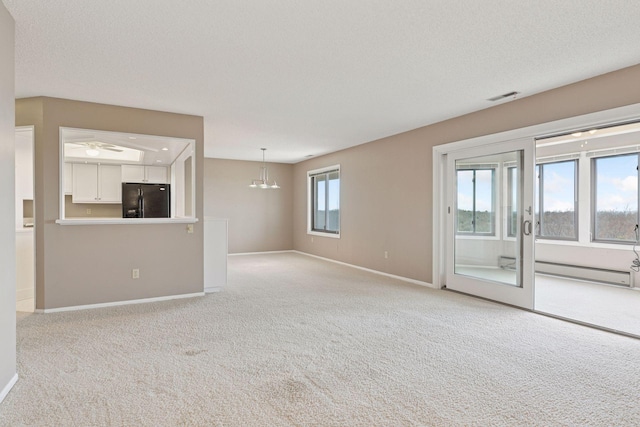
(146, 200)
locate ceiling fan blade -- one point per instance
(79, 137)
(143, 147)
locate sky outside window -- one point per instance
(616, 197)
(326, 202)
(333, 211)
(475, 216)
(558, 198)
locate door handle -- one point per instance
(526, 228)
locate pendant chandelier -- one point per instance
(263, 181)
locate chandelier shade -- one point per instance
(263, 181)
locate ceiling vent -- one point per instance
(506, 95)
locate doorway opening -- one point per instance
(586, 201)
(25, 219)
(587, 226)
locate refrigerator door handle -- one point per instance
(140, 203)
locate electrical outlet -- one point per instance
(190, 228)
(312, 240)
(386, 255)
(88, 211)
(135, 273)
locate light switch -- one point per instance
(189, 228)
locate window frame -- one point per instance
(493, 214)
(511, 202)
(540, 200)
(183, 186)
(311, 201)
(594, 199)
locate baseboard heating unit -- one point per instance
(603, 275)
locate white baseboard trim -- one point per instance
(393, 276)
(8, 387)
(262, 253)
(117, 303)
(212, 289)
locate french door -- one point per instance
(490, 221)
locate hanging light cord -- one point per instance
(635, 265)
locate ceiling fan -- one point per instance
(93, 148)
(99, 146)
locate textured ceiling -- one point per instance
(311, 77)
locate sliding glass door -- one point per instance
(490, 222)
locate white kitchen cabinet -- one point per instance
(109, 185)
(145, 174)
(96, 183)
(156, 174)
(68, 178)
(132, 173)
(85, 183)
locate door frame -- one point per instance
(439, 211)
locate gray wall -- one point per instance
(387, 188)
(259, 220)
(91, 264)
(7, 207)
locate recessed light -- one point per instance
(576, 134)
(132, 137)
(165, 149)
(158, 161)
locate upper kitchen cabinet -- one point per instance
(68, 178)
(96, 183)
(145, 174)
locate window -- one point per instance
(556, 200)
(615, 198)
(476, 201)
(324, 201)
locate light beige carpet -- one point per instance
(296, 341)
(608, 306)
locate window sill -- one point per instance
(125, 221)
(593, 245)
(318, 233)
(476, 237)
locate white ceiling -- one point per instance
(152, 150)
(310, 77)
